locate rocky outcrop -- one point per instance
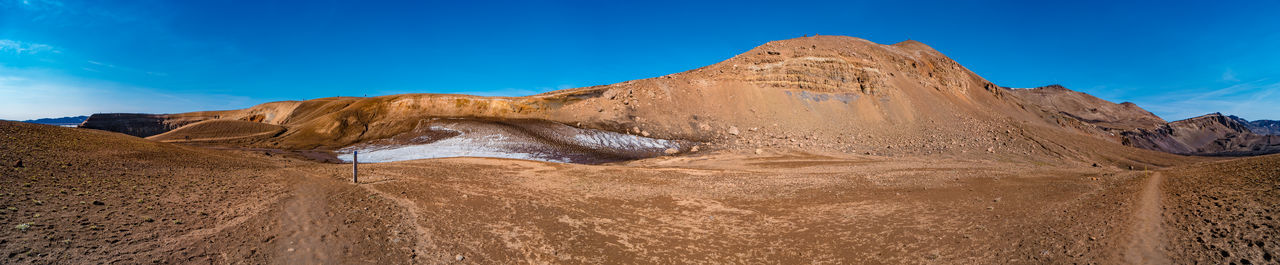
(1212, 134)
(141, 125)
(136, 124)
(1264, 127)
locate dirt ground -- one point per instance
(84, 196)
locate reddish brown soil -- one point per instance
(224, 206)
(1225, 212)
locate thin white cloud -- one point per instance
(25, 48)
(113, 67)
(1259, 99)
(102, 64)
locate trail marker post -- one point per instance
(355, 167)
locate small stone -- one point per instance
(459, 257)
(733, 130)
(290, 249)
(693, 149)
(19, 164)
(99, 203)
(644, 133)
(671, 151)
(991, 149)
(759, 151)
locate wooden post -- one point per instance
(355, 167)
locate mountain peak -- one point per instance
(913, 44)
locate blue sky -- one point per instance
(69, 57)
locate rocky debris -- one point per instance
(18, 164)
(733, 130)
(459, 257)
(671, 151)
(759, 151)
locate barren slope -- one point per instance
(1110, 116)
(829, 93)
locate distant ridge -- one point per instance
(74, 120)
(1265, 127)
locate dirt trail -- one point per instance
(304, 228)
(1147, 241)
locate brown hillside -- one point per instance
(1087, 108)
(829, 93)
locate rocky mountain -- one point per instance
(1126, 123)
(1211, 134)
(1267, 127)
(1087, 108)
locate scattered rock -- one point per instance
(459, 257)
(991, 149)
(733, 130)
(759, 151)
(671, 151)
(644, 133)
(19, 164)
(693, 149)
